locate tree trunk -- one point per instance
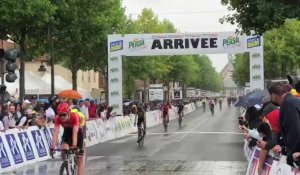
(168, 96)
(22, 66)
(74, 70)
(74, 79)
(183, 91)
(145, 92)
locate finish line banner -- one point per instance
(183, 44)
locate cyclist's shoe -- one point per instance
(138, 140)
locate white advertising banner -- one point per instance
(190, 93)
(256, 62)
(183, 44)
(115, 92)
(156, 94)
(179, 44)
(198, 93)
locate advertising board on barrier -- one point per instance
(14, 148)
(4, 159)
(100, 129)
(48, 137)
(26, 145)
(39, 144)
(254, 164)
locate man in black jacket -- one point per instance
(289, 119)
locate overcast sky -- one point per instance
(187, 16)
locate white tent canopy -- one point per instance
(35, 84)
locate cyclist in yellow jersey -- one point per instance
(82, 121)
(81, 116)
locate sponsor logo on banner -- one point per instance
(113, 70)
(256, 77)
(256, 55)
(59, 139)
(137, 44)
(231, 41)
(14, 148)
(4, 160)
(114, 80)
(39, 144)
(116, 45)
(253, 42)
(256, 67)
(27, 148)
(177, 94)
(114, 59)
(115, 94)
(48, 137)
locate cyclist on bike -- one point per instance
(203, 104)
(180, 109)
(220, 103)
(141, 119)
(72, 137)
(212, 106)
(165, 110)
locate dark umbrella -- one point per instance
(253, 98)
(241, 102)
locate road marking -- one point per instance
(191, 132)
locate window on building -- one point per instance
(95, 77)
(89, 76)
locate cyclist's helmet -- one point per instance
(63, 108)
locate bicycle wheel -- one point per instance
(141, 136)
(64, 169)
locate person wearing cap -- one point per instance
(84, 109)
(25, 105)
(33, 101)
(26, 120)
(40, 118)
(50, 114)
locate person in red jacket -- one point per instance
(93, 110)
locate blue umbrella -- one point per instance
(241, 102)
(253, 98)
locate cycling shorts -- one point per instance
(140, 121)
(67, 137)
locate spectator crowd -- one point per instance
(31, 112)
(274, 126)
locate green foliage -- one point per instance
(207, 77)
(24, 22)
(260, 16)
(281, 54)
(241, 66)
(82, 28)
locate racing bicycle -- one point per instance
(141, 134)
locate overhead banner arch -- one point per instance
(179, 44)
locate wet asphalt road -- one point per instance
(204, 145)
